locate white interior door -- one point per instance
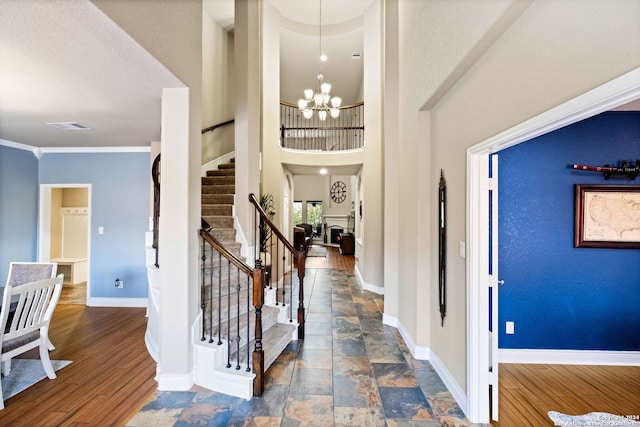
(494, 283)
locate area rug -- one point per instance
(317, 251)
(593, 419)
(25, 373)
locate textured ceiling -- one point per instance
(85, 70)
(342, 35)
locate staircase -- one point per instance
(222, 361)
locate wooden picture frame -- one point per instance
(607, 216)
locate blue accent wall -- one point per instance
(18, 208)
(561, 297)
(120, 204)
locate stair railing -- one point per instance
(280, 260)
(346, 132)
(229, 287)
(219, 125)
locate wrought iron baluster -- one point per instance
(228, 314)
(248, 324)
(291, 286)
(219, 298)
(238, 321)
(211, 308)
(202, 289)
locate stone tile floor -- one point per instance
(350, 370)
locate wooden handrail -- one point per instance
(219, 125)
(274, 228)
(225, 253)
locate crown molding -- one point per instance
(40, 151)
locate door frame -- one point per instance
(619, 91)
(44, 225)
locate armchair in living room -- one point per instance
(308, 229)
(300, 239)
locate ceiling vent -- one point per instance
(68, 126)
(356, 55)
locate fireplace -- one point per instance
(335, 233)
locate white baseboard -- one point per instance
(118, 302)
(367, 286)
(424, 353)
(570, 357)
(389, 320)
(174, 382)
(448, 380)
(417, 351)
(213, 164)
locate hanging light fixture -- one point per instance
(320, 99)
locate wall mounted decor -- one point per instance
(624, 169)
(607, 216)
(338, 191)
(442, 244)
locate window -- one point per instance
(314, 212)
(297, 212)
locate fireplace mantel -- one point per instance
(341, 221)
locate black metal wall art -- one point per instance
(442, 243)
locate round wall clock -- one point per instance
(338, 192)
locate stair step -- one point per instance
(227, 166)
(223, 172)
(217, 210)
(218, 199)
(278, 337)
(228, 237)
(219, 221)
(219, 189)
(269, 318)
(218, 180)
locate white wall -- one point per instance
(248, 126)
(369, 256)
(218, 89)
(172, 33)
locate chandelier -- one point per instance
(319, 100)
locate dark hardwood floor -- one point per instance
(111, 377)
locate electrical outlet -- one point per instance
(119, 283)
(510, 328)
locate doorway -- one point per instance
(64, 236)
(610, 95)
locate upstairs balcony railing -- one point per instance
(343, 133)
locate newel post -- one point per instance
(301, 263)
(258, 352)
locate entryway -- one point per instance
(64, 236)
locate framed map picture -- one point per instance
(607, 216)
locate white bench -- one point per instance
(74, 269)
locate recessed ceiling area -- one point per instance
(315, 170)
